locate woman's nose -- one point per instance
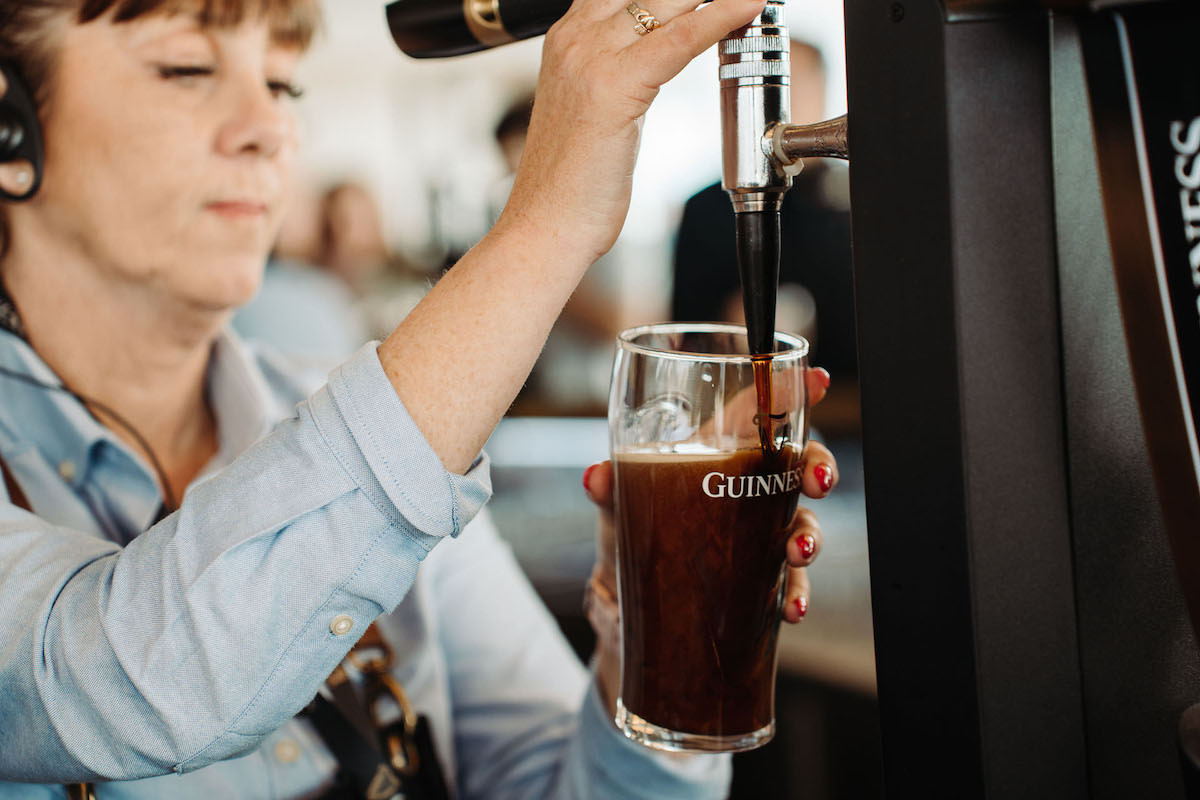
(258, 124)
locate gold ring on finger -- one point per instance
(643, 20)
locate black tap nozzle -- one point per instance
(758, 263)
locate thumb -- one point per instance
(598, 483)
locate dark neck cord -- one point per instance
(10, 320)
(168, 495)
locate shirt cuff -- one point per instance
(382, 448)
(633, 770)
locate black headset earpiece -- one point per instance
(20, 132)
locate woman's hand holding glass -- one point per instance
(803, 547)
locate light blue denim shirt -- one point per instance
(170, 663)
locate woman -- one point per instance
(172, 662)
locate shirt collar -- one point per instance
(242, 401)
(67, 434)
(52, 421)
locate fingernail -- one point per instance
(823, 376)
(801, 604)
(824, 475)
(808, 546)
(587, 476)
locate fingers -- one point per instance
(803, 547)
(660, 55)
(804, 539)
(817, 379)
(795, 598)
(598, 483)
(790, 390)
(663, 10)
(820, 470)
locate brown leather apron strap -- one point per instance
(15, 495)
(80, 791)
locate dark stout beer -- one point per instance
(702, 545)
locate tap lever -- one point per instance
(790, 143)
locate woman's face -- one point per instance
(168, 152)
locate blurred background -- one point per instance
(407, 163)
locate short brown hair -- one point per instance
(292, 21)
(23, 24)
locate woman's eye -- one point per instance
(285, 88)
(186, 73)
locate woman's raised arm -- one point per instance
(458, 360)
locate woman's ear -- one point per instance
(20, 137)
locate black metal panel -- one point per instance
(1140, 660)
(1004, 266)
(962, 408)
(920, 584)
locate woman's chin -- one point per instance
(232, 287)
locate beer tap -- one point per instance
(761, 150)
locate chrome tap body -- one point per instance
(754, 76)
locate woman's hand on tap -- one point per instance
(803, 547)
(598, 77)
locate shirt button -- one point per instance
(287, 751)
(341, 625)
(66, 470)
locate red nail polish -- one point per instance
(801, 604)
(587, 475)
(808, 546)
(824, 475)
(823, 376)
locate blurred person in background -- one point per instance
(299, 237)
(353, 248)
(304, 312)
(351, 243)
(571, 375)
(331, 283)
(816, 286)
(509, 133)
(195, 535)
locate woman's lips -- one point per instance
(238, 209)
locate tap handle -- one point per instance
(827, 139)
(438, 28)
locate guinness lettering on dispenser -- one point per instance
(1187, 173)
(1159, 48)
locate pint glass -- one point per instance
(707, 475)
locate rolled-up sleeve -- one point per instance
(218, 624)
